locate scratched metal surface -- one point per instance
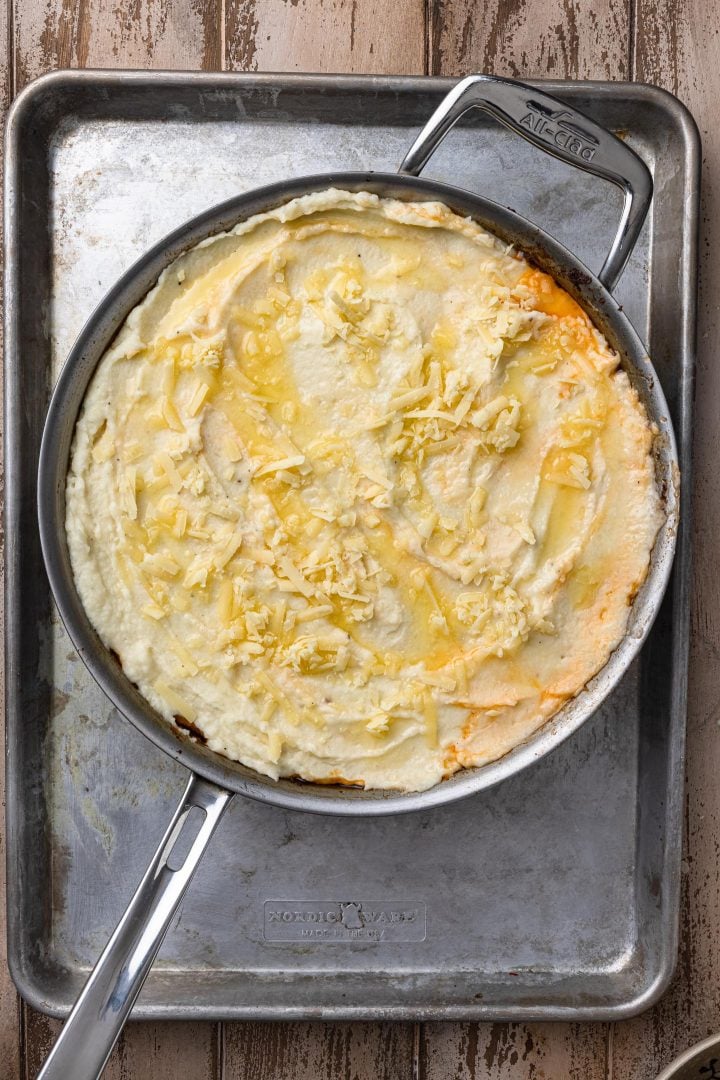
(552, 895)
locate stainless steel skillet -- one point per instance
(553, 127)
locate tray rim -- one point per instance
(25, 976)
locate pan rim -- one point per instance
(101, 328)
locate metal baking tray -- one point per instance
(554, 895)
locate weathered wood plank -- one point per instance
(318, 1052)
(179, 34)
(10, 1041)
(326, 35)
(677, 46)
(513, 1052)
(38, 1035)
(167, 1051)
(162, 1051)
(145, 34)
(525, 38)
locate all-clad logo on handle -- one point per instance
(557, 126)
(343, 920)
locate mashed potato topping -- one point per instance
(359, 495)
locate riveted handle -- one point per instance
(558, 129)
(99, 1014)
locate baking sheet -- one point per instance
(554, 895)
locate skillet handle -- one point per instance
(98, 1016)
(558, 129)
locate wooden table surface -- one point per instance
(674, 43)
